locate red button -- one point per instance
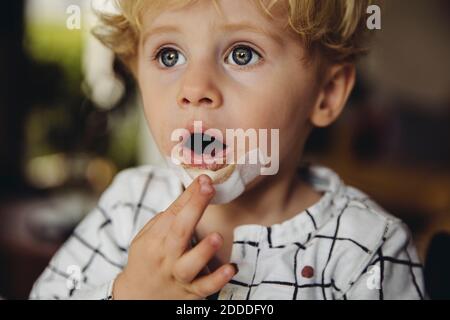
(307, 272)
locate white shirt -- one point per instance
(343, 247)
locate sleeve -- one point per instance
(88, 262)
(394, 272)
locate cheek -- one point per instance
(157, 114)
(281, 104)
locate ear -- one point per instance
(336, 87)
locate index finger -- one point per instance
(188, 210)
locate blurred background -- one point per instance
(70, 119)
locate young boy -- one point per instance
(296, 234)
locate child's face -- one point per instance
(239, 70)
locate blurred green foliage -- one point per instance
(63, 119)
(54, 43)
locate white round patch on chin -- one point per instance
(230, 181)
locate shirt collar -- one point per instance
(303, 226)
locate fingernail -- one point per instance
(216, 240)
(229, 272)
(205, 185)
(206, 189)
(204, 179)
(235, 267)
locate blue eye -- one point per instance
(243, 56)
(169, 57)
(240, 55)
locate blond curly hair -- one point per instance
(334, 28)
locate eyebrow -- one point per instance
(228, 28)
(160, 30)
(251, 28)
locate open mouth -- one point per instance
(201, 143)
(204, 152)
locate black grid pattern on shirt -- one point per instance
(300, 246)
(323, 285)
(331, 284)
(95, 251)
(382, 259)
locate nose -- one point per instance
(199, 90)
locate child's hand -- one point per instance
(161, 263)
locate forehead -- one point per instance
(229, 14)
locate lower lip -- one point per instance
(204, 161)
